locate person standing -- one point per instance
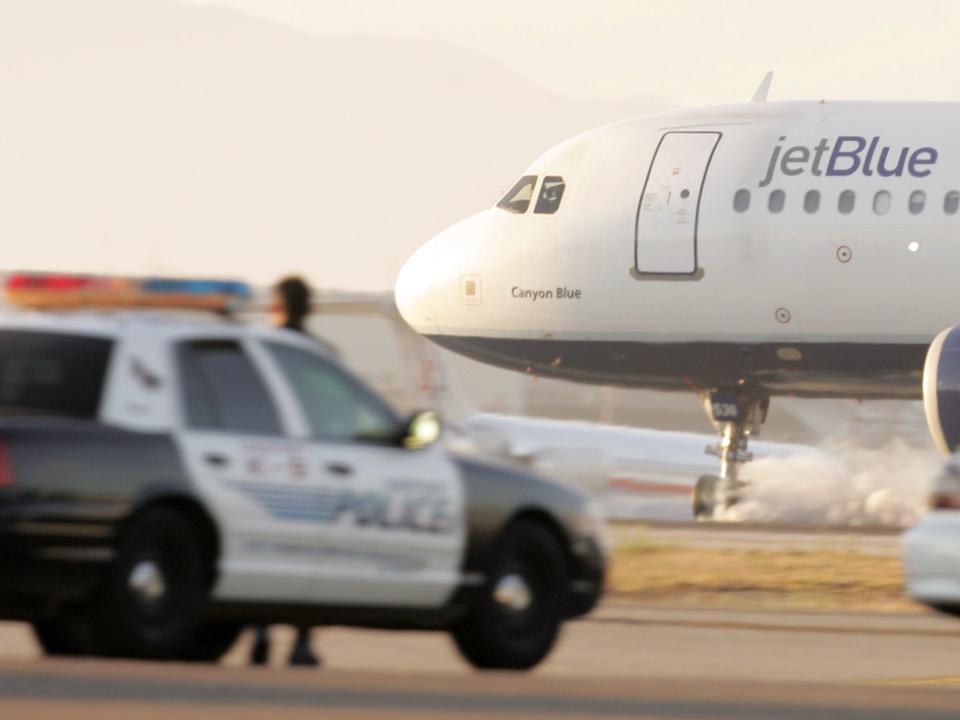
(291, 308)
(291, 304)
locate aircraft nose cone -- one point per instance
(413, 292)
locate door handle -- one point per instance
(341, 469)
(216, 459)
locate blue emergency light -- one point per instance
(65, 291)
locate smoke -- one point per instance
(849, 485)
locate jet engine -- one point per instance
(941, 389)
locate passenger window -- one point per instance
(46, 373)
(811, 201)
(337, 406)
(741, 200)
(846, 202)
(776, 201)
(517, 200)
(882, 202)
(918, 198)
(222, 390)
(951, 202)
(550, 195)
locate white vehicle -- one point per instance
(737, 252)
(931, 548)
(167, 478)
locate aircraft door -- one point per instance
(668, 213)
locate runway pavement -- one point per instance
(626, 661)
(106, 691)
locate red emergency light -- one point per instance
(42, 291)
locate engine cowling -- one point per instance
(941, 389)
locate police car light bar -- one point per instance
(43, 291)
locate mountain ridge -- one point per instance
(164, 137)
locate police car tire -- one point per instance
(492, 637)
(122, 624)
(210, 642)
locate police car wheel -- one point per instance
(151, 601)
(515, 621)
(210, 642)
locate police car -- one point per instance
(167, 478)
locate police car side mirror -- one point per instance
(422, 429)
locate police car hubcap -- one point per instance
(513, 593)
(147, 581)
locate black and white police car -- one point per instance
(168, 478)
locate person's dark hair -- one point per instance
(296, 297)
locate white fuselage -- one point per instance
(806, 248)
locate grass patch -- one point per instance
(821, 579)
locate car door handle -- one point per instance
(216, 459)
(339, 469)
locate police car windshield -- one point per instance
(518, 198)
(337, 406)
(51, 373)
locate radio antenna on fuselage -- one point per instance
(761, 94)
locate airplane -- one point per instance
(739, 252)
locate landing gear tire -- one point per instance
(211, 642)
(152, 598)
(738, 415)
(516, 619)
(705, 497)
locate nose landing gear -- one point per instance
(737, 415)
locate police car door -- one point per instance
(391, 524)
(252, 477)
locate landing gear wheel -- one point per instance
(59, 637)
(211, 642)
(705, 498)
(737, 414)
(153, 596)
(516, 619)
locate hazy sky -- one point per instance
(333, 137)
(694, 51)
(178, 138)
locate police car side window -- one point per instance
(222, 390)
(337, 406)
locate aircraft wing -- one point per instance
(638, 473)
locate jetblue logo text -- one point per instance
(850, 155)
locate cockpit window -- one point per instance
(520, 195)
(551, 193)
